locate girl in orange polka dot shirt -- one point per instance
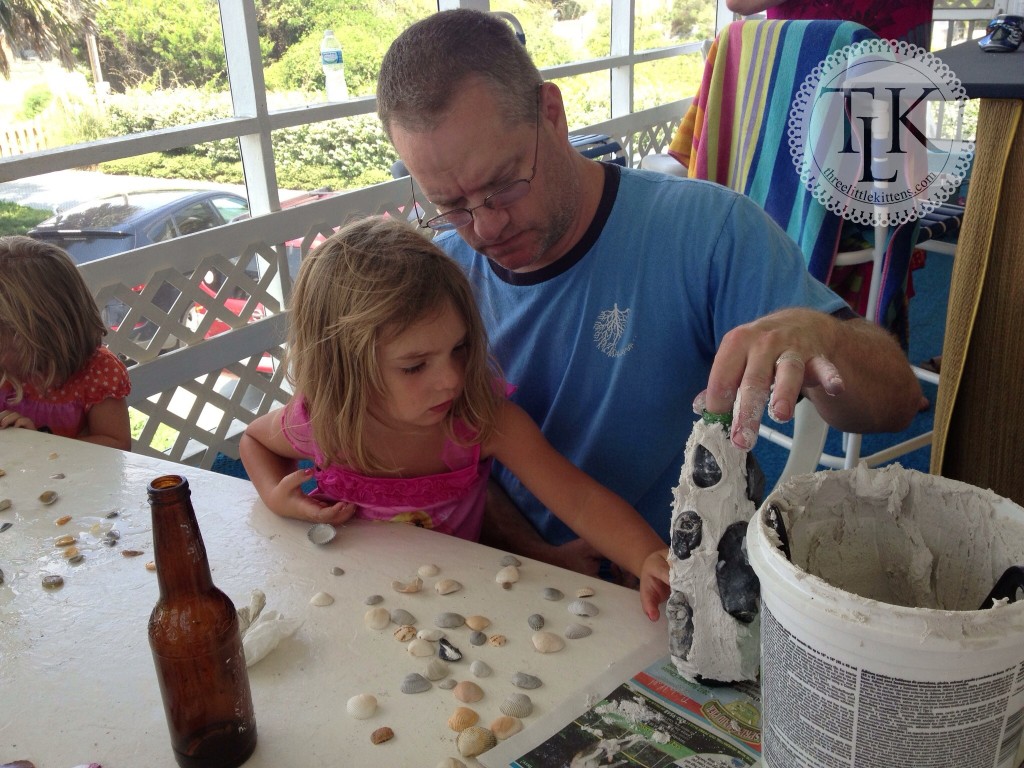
(55, 374)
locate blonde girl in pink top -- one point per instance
(401, 410)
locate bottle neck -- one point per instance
(181, 563)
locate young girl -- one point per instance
(401, 412)
(55, 375)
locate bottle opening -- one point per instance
(166, 482)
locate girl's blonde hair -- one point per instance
(365, 285)
(47, 314)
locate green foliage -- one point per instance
(36, 100)
(18, 219)
(336, 154)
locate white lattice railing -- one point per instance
(205, 391)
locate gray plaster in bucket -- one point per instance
(873, 652)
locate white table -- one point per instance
(77, 682)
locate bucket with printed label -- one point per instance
(875, 651)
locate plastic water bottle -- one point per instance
(334, 67)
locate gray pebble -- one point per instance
(527, 681)
(477, 638)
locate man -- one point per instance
(607, 291)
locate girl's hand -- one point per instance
(654, 585)
(288, 500)
(15, 419)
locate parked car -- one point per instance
(119, 223)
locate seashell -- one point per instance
(362, 706)
(467, 692)
(526, 681)
(550, 593)
(477, 638)
(58, 476)
(577, 631)
(405, 633)
(446, 685)
(480, 669)
(582, 608)
(2, 472)
(497, 640)
(420, 648)
(408, 588)
(64, 541)
(70, 552)
(377, 618)
(507, 575)
(373, 599)
(381, 735)
(112, 534)
(451, 762)
(436, 669)
(337, 571)
(462, 718)
(6, 526)
(474, 741)
(1, 576)
(5, 504)
(449, 620)
(447, 586)
(112, 515)
(584, 592)
(48, 497)
(402, 616)
(478, 622)
(536, 621)
(517, 705)
(505, 725)
(130, 552)
(431, 634)
(426, 571)
(77, 558)
(510, 560)
(151, 566)
(321, 533)
(53, 455)
(321, 599)
(547, 642)
(62, 520)
(53, 581)
(414, 682)
(447, 651)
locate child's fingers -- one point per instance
(294, 480)
(336, 514)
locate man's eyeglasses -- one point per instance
(501, 198)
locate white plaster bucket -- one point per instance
(873, 651)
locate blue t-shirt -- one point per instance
(610, 344)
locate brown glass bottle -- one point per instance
(197, 648)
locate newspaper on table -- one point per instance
(656, 718)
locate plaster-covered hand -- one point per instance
(15, 419)
(654, 583)
(853, 371)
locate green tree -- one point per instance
(50, 27)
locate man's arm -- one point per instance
(853, 371)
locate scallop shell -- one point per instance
(362, 706)
(48, 497)
(550, 593)
(525, 680)
(431, 634)
(381, 735)
(517, 705)
(582, 608)
(420, 648)
(477, 638)
(480, 669)
(449, 620)
(436, 669)
(478, 622)
(402, 616)
(405, 633)
(447, 651)
(497, 640)
(373, 599)
(446, 685)
(377, 618)
(510, 560)
(321, 599)
(577, 631)
(547, 642)
(467, 692)
(428, 570)
(414, 682)
(584, 592)
(462, 718)
(409, 587)
(321, 533)
(507, 575)
(504, 726)
(447, 586)
(536, 621)
(474, 741)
